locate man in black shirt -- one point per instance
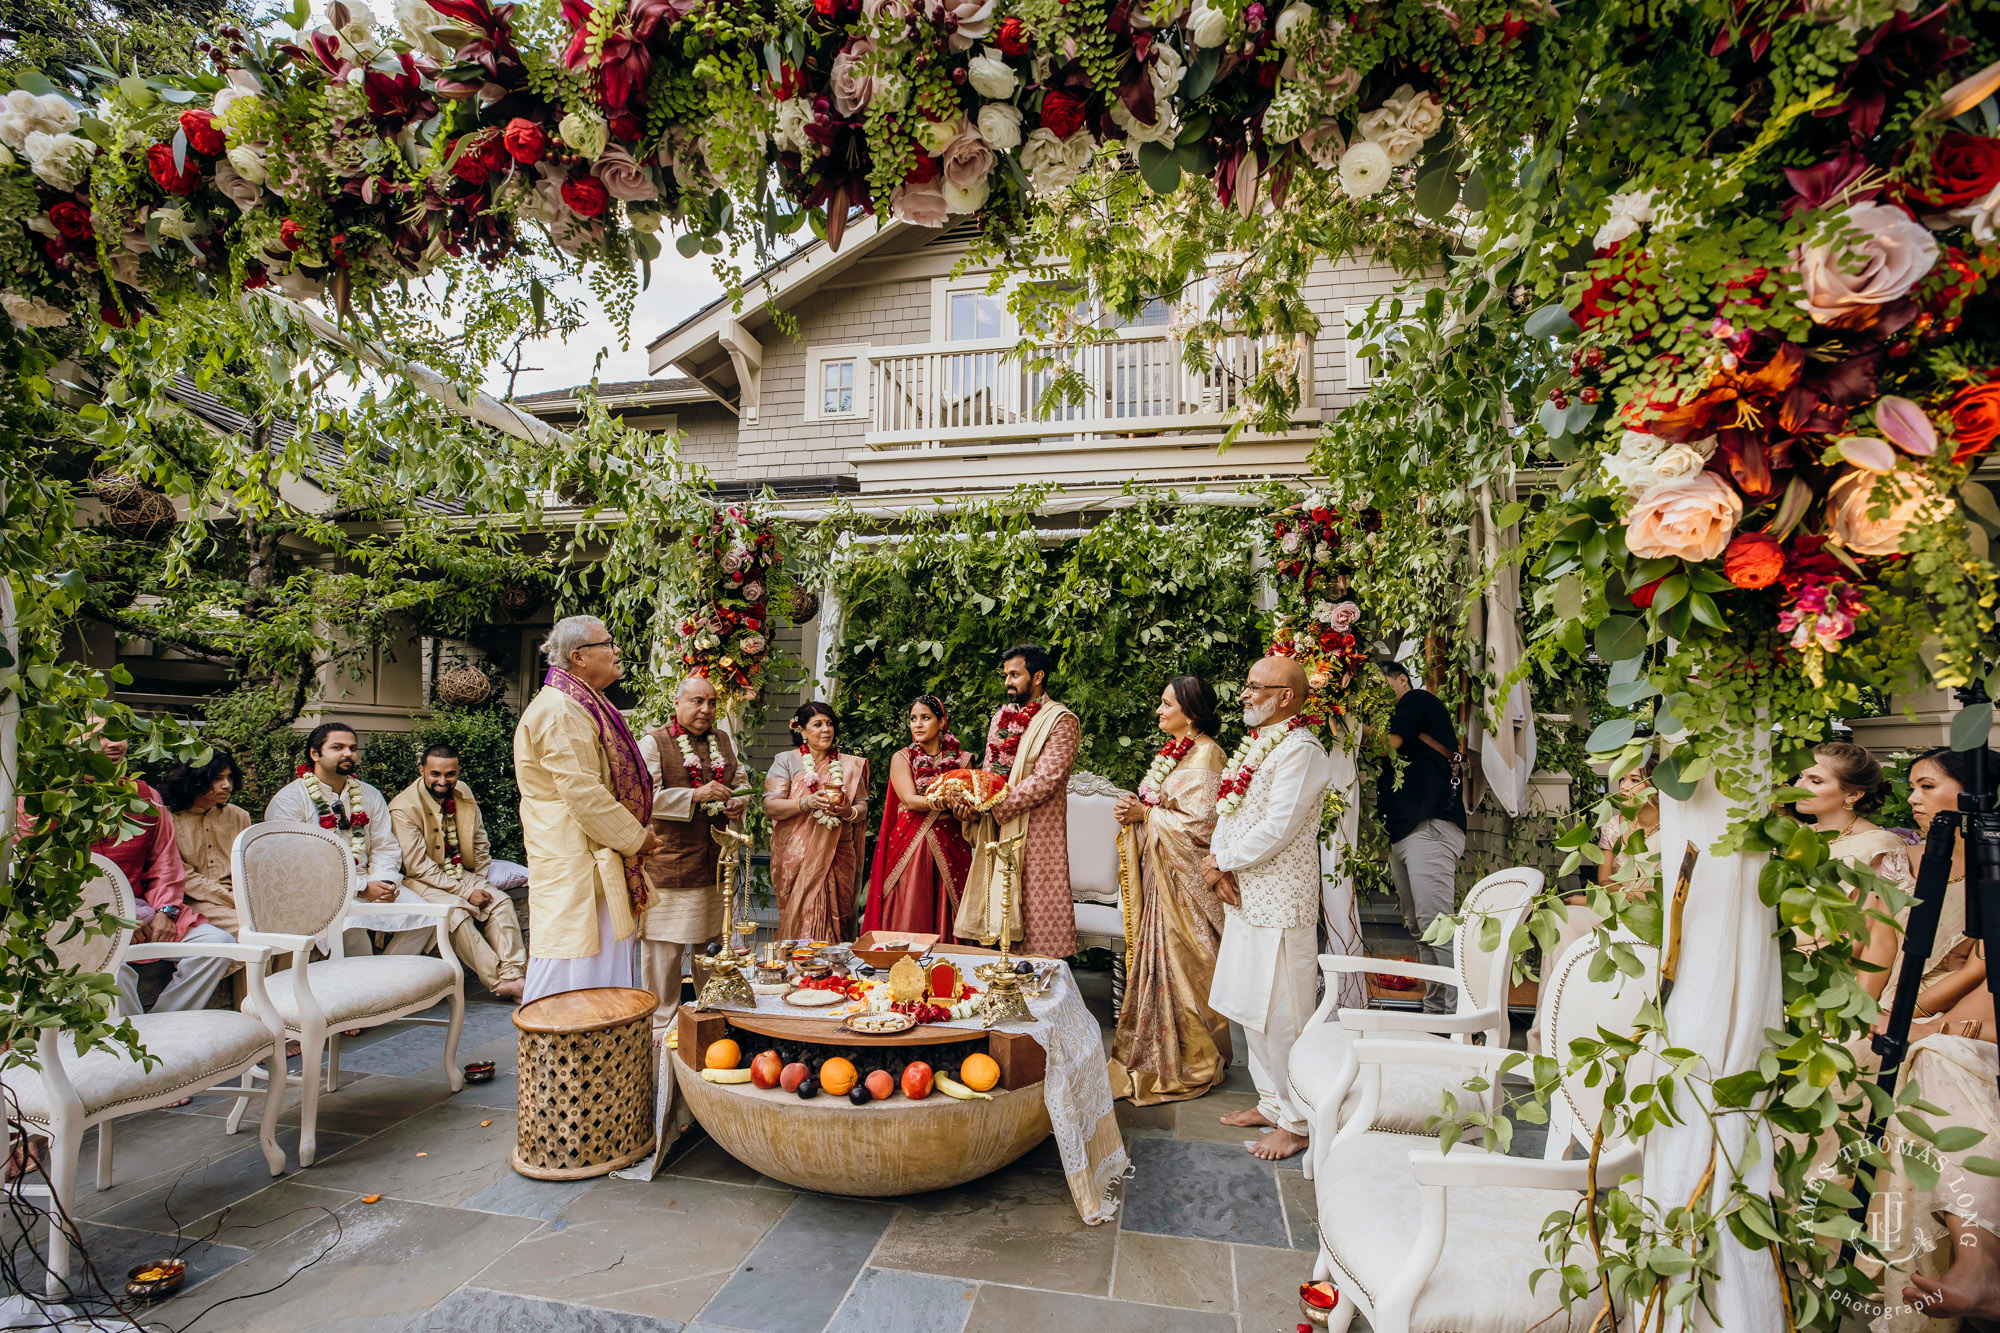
(1426, 818)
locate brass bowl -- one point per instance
(1317, 1315)
(170, 1274)
(479, 1071)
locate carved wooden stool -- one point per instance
(587, 1083)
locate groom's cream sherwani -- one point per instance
(1264, 967)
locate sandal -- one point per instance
(25, 1155)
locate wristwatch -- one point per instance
(172, 911)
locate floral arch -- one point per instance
(1715, 276)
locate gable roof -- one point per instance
(619, 395)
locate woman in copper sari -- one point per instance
(1171, 1046)
(921, 856)
(817, 798)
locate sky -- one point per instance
(679, 288)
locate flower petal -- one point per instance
(1867, 453)
(1906, 426)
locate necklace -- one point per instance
(928, 768)
(693, 763)
(834, 779)
(355, 823)
(1253, 750)
(1164, 763)
(1014, 720)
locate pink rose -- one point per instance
(1903, 495)
(752, 645)
(896, 10)
(968, 160)
(1691, 519)
(624, 178)
(966, 20)
(920, 205)
(1846, 283)
(852, 90)
(1343, 617)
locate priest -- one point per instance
(585, 799)
(1264, 865)
(1032, 742)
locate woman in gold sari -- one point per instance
(1171, 1046)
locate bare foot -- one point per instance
(509, 990)
(1247, 1119)
(1278, 1145)
(291, 1049)
(1971, 1286)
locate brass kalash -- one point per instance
(1004, 1002)
(728, 979)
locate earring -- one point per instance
(1850, 803)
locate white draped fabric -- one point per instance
(1506, 753)
(1727, 993)
(1343, 921)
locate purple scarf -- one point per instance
(630, 782)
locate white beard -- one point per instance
(1257, 716)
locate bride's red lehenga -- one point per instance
(921, 857)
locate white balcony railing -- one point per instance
(937, 395)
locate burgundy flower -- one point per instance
(525, 141)
(202, 136)
(469, 164)
(394, 100)
(1062, 113)
(160, 163)
(1963, 169)
(71, 219)
(625, 127)
(1904, 50)
(360, 819)
(1821, 185)
(254, 276)
(294, 238)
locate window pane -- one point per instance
(836, 387)
(1155, 314)
(977, 315)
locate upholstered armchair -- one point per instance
(1322, 1063)
(1421, 1241)
(1093, 871)
(295, 891)
(192, 1052)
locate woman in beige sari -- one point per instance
(1171, 1046)
(817, 798)
(1846, 785)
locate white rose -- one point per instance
(233, 109)
(1161, 130)
(1054, 164)
(1000, 126)
(1166, 70)
(793, 117)
(1629, 212)
(1364, 168)
(1982, 216)
(1419, 113)
(1296, 17)
(249, 164)
(892, 90)
(415, 19)
(935, 135)
(59, 159)
(6, 156)
(18, 117)
(967, 199)
(1208, 27)
(990, 76)
(585, 132)
(175, 223)
(32, 312)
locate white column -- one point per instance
(1336, 881)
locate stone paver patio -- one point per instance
(1207, 1238)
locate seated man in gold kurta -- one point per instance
(445, 858)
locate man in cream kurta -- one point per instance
(448, 866)
(578, 832)
(1265, 866)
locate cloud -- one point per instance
(678, 289)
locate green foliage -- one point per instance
(484, 739)
(1152, 591)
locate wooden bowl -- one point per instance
(880, 1150)
(870, 951)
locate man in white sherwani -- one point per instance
(1264, 864)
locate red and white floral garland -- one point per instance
(354, 822)
(834, 779)
(927, 768)
(1165, 762)
(1252, 751)
(448, 807)
(1014, 720)
(698, 775)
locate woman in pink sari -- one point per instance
(817, 798)
(921, 856)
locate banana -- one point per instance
(726, 1075)
(951, 1087)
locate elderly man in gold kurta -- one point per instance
(446, 854)
(585, 800)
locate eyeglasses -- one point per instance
(601, 643)
(1250, 685)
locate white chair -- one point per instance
(1395, 1213)
(192, 1052)
(295, 891)
(1093, 871)
(1322, 1063)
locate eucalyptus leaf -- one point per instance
(1620, 637)
(1971, 725)
(1667, 777)
(1551, 321)
(1980, 501)
(1436, 194)
(1158, 168)
(1200, 73)
(1553, 421)
(1611, 734)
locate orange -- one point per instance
(837, 1077)
(724, 1054)
(979, 1072)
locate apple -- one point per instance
(916, 1080)
(791, 1076)
(880, 1083)
(766, 1069)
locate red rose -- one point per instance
(202, 136)
(360, 819)
(54, 248)
(525, 141)
(1012, 37)
(923, 169)
(294, 237)
(160, 162)
(1753, 560)
(1062, 113)
(1643, 597)
(586, 196)
(328, 821)
(111, 315)
(254, 276)
(469, 165)
(1965, 167)
(1975, 420)
(626, 126)
(71, 219)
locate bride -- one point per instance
(921, 856)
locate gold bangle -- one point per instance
(1923, 1012)
(1966, 1027)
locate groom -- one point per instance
(1265, 868)
(1032, 742)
